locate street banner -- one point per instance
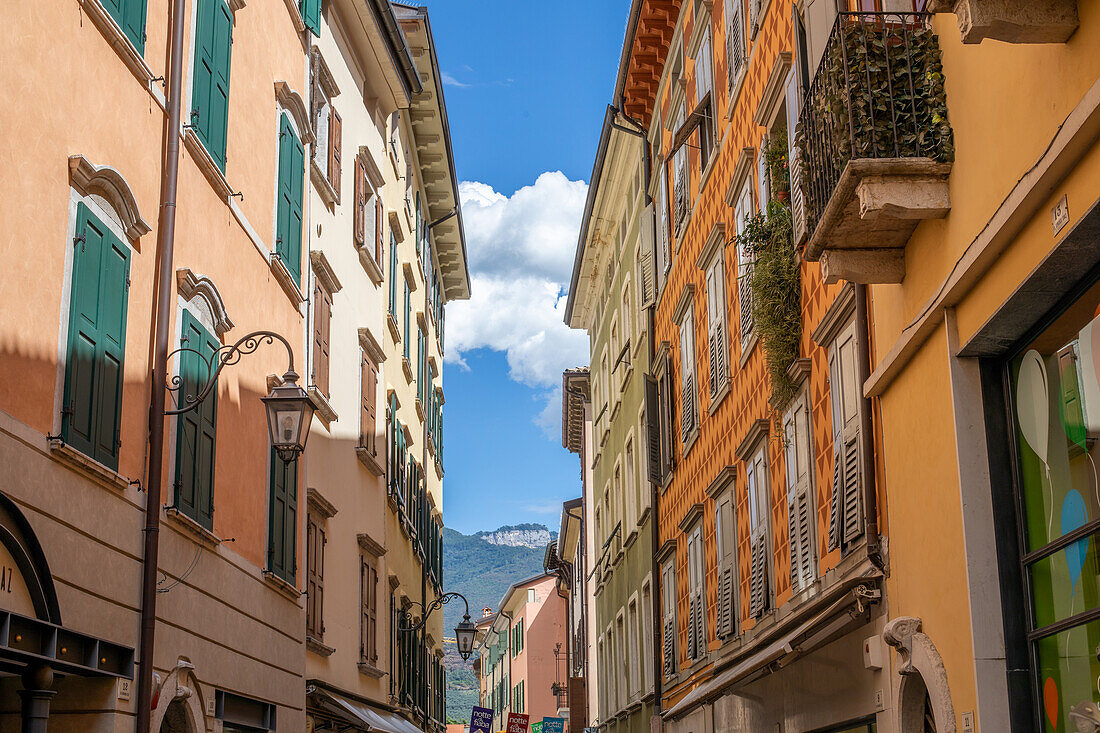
(536, 727)
(517, 723)
(481, 720)
(553, 725)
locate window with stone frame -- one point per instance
(727, 591)
(668, 621)
(717, 323)
(327, 125)
(689, 413)
(801, 513)
(704, 99)
(315, 574)
(697, 597)
(760, 581)
(743, 212)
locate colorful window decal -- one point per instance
(1055, 387)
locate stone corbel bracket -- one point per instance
(921, 670)
(1012, 21)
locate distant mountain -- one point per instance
(534, 536)
(481, 567)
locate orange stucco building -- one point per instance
(79, 254)
(769, 529)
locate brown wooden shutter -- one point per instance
(368, 418)
(378, 231)
(322, 321)
(360, 216)
(315, 571)
(578, 705)
(334, 150)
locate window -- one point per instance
(315, 576)
(617, 368)
(680, 176)
(646, 633)
(517, 638)
(756, 475)
(518, 701)
(368, 605)
(688, 417)
(697, 597)
(617, 501)
(658, 411)
(130, 16)
(725, 532)
(210, 94)
(717, 329)
(633, 666)
(322, 325)
(368, 416)
(282, 528)
(288, 226)
(196, 429)
(743, 212)
(800, 503)
(845, 510)
(393, 277)
(1055, 420)
(368, 216)
(91, 414)
(311, 15)
(668, 605)
(704, 98)
(407, 323)
(630, 497)
(735, 42)
(625, 311)
(664, 251)
(622, 676)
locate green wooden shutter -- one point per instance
(283, 518)
(288, 228)
(408, 313)
(97, 339)
(210, 94)
(196, 429)
(311, 14)
(130, 16)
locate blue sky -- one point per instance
(527, 84)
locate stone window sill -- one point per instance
(88, 466)
(369, 670)
(323, 406)
(406, 366)
(126, 51)
(296, 15)
(189, 525)
(370, 460)
(689, 441)
(366, 259)
(321, 183)
(747, 346)
(391, 321)
(318, 647)
(717, 398)
(285, 279)
(282, 586)
(206, 164)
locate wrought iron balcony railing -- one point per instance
(877, 94)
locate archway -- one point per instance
(923, 701)
(179, 702)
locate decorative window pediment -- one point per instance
(107, 184)
(189, 285)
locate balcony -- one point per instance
(875, 143)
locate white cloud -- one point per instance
(453, 82)
(521, 257)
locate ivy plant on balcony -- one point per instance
(776, 293)
(878, 93)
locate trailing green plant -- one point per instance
(776, 288)
(878, 93)
(775, 157)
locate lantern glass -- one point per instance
(289, 413)
(464, 635)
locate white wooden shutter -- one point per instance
(744, 265)
(806, 518)
(713, 329)
(763, 193)
(735, 41)
(850, 433)
(790, 458)
(648, 275)
(668, 599)
(794, 161)
(687, 375)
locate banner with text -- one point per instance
(481, 720)
(553, 725)
(517, 723)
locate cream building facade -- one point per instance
(381, 172)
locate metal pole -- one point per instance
(166, 232)
(35, 698)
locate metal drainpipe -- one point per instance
(166, 233)
(866, 436)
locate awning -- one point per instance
(360, 714)
(802, 638)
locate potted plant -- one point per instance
(775, 157)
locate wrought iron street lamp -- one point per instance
(289, 409)
(464, 632)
